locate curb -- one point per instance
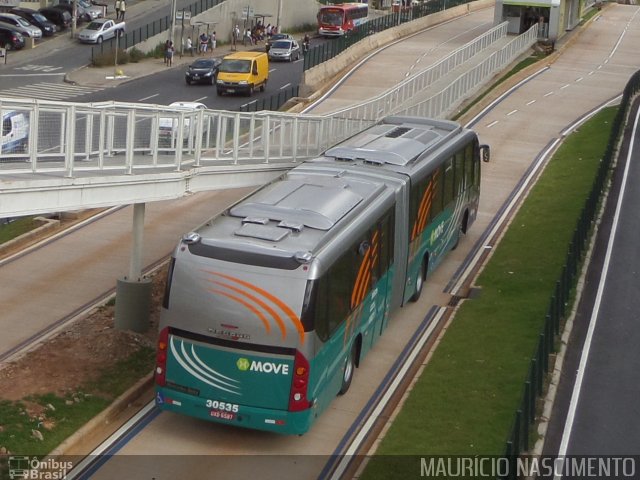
(105, 417)
(49, 224)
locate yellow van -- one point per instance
(243, 72)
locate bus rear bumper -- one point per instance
(279, 421)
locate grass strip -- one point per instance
(57, 417)
(465, 399)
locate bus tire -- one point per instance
(419, 282)
(349, 369)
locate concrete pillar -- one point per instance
(133, 293)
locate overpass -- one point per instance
(80, 156)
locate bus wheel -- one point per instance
(419, 283)
(349, 368)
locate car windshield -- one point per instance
(94, 26)
(202, 64)
(39, 17)
(285, 44)
(235, 66)
(23, 22)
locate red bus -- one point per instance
(336, 20)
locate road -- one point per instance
(597, 410)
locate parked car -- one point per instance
(37, 19)
(203, 70)
(60, 18)
(275, 37)
(80, 13)
(14, 132)
(100, 30)
(10, 38)
(284, 50)
(86, 11)
(21, 25)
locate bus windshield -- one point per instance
(331, 17)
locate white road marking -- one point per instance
(531, 102)
(32, 74)
(492, 124)
(511, 112)
(147, 98)
(579, 79)
(285, 86)
(575, 396)
(548, 94)
(200, 99)
(565, 86)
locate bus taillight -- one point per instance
(161, 356)
(298, 399)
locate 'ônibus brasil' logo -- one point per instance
(244, 364)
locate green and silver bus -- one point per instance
(271, 306)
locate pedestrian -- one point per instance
(269, 30)
(204, 41)
(123, 8)
(118, 3)
(166, 47)
(169, 54)
(213, 41)
(189, 46)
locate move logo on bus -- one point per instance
(244, 364)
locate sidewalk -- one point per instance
(106, 76)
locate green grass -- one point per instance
(17, 227)
(465, 400)
(92, 398)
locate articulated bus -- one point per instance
(337, 20)
(271, 306)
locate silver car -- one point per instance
(21, 25)
(284, 50)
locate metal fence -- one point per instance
(274, 102)
(328, 50)
(73, 139)
(404, 98)
(139, 35)
(525, 416)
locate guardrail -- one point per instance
(525, 416)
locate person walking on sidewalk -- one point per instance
(169, 53)
(213, 41)
(118, 3)
(189, 46)
(123, 8)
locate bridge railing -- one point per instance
(396, 99)
(72, 139)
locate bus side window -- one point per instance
(449, 181)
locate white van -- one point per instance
(169, 126)
(15, 132)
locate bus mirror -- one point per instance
(485, 153)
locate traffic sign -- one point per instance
(247, 12)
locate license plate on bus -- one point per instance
(222, 414)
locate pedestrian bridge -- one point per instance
(73, 156)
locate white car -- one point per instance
(99, 30)
(168, 127)
(284, 50)
(21, 25)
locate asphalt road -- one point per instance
(605, 403)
